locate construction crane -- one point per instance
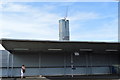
(66, 14)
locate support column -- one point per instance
(110, 65)
(64, 64)
(12, 65)
(86, 64)
(118, 65)
(40, 64)
(91, 64)
(72, 66)
(8, 60)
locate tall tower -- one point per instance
(63, 29)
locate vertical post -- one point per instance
(86, 64)
(1, 61)
(39, 64)
(8, 64)
(64, 64)
(119, 65)
(91, 63)
(12, 66)
(72, 64)
(110, 65)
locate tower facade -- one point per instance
(64, 29)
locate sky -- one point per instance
(89, 21)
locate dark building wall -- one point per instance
(60, 63)
(57, 63)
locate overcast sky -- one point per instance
(89, 21)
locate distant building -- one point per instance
(63, 29)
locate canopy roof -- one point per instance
(18, 46)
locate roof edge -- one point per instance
(30, 40)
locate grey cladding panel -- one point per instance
(29, 71)
(4, 58)
(114, 59)
(0, 58)
(31, 60)
(100, 60)
(79, 60)
(52, 71)
(52, 60)
(100, 70)
(4, 72)
(68, 59)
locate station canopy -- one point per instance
(25, 46)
